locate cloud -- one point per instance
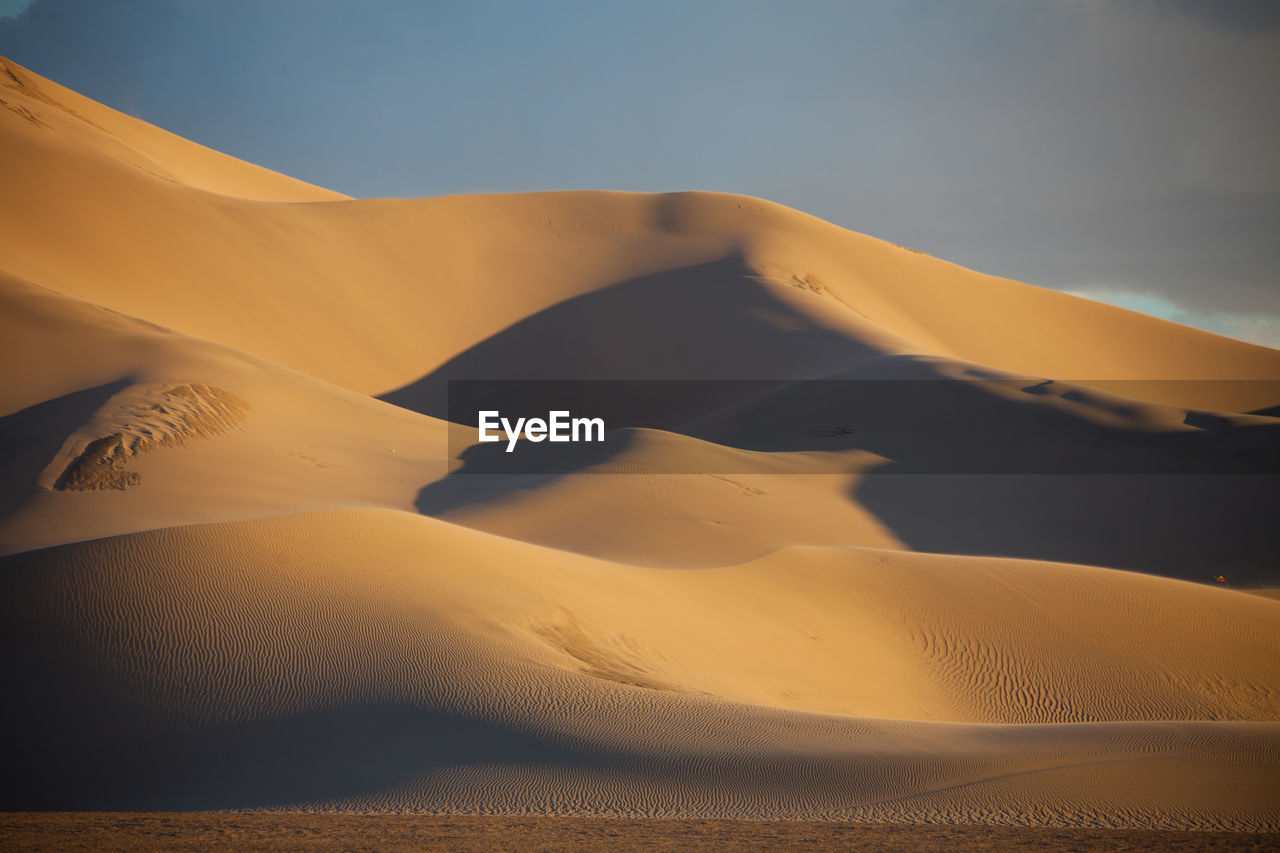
(1262, 329)
(14, 8)
(1242, 16)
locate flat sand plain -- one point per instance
(124, 831)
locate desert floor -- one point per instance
(302, 832)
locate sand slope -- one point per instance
(61, 118)
(760, 289)
(127, 427)
(248, 561)
(476, 673)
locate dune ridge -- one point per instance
(245, 564)
(165, 417)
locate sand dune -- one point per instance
(761, 289)
(60, 118)
(957, 561)
(429, 640)
(204, 433)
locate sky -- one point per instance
(1123, 150)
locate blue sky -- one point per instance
(1121, 149)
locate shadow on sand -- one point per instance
(975, 466)
(29, 439)
(713, 321)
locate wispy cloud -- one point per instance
(1263, 329)
(14, 8)
(1244, 16)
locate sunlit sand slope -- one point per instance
(69, 125)
(113, 425)
(386, 294)
(379, 658)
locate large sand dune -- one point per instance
(374, 658)
(249, 561)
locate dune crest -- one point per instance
(164, 417)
